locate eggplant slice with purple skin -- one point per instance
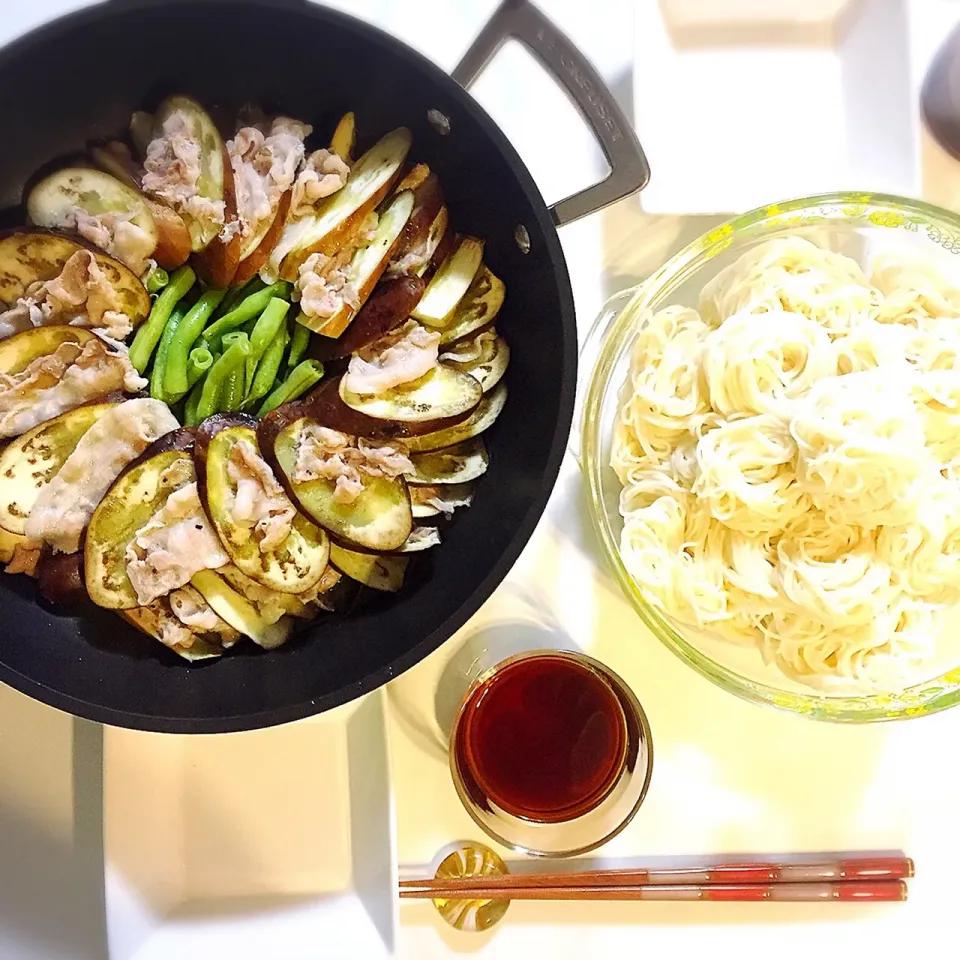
(28, 255)
(377, 572)
(136, 496)
(441, 394)
(326, 407)
(151, 621)
(294, 566)
(30, 462)
(482, 418)
(379, 520)
(457, 464)
(388, 306)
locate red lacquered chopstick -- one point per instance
(864, 891)
(852, 868)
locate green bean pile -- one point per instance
(216, 351)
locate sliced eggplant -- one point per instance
(240, 613)
(480, 420)
(114, 157)
(378, 573)
(159, 620)
(271, 604)
(458, 464)
(440, 243)
(55, 199)
(217, 262)
(20, 350)
(421, 538)
(325, 406)
(387, 307)
(429, 501)
(296, 564)
(9, 543)
(478, 309)
(29, 463)
(342, 596)
(60, 578)
(173, 237)
(450, 283)
(215, 168)
(27, 256)
(367, 266)
(138, 494)
(441, 393)
(256, 250)
(412, 253)
(490, 356)
(379, 519)
(344, 137)
(338, 217)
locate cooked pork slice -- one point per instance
(190, 608)
(325, 454)
(402, 356)
(264, 168)
(25, 558)
(480, 349)
(114, 232)
(65, 505)
(322, 176)
(56, 383)
(172, 166)
(259, 506)
(24, 314)
(81, 295)
(323, 288)
(177, 543)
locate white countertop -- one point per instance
(728, 777)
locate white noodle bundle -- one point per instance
(792, 274)
(754, 362)
(914, 290)
(666, 389)
(746, 475)
(791, 466)
(861, 448)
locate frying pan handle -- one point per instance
(629, 170)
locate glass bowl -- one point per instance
(858, 225)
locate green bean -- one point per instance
(236, 294)
(163, 351)
(191, 405)
(267, 370)
(175, 382)
(148, 336)
(198, 363)
(213, 384)
(264, 333)
(156, 279)
(249, 308)
(232, 396)
(298, 346)
(303, 377)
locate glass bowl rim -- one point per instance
(845, 207)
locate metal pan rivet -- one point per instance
(522, 237)
(439, 121)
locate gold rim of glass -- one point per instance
(866, 210)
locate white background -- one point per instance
(728, 777)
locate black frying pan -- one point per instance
(80, 78)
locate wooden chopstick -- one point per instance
(826, 871)
(876, 891)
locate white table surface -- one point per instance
(729, 777)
